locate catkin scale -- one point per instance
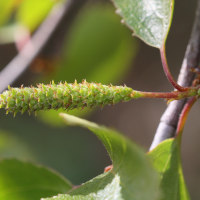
(63, 95)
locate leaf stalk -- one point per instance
(167, 71)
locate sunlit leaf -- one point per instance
(149, 19)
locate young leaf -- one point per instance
(132, 176)
(150, 20)
(166, 159)
(22, 180)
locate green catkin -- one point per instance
(63, 95)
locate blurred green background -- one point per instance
(98, 48)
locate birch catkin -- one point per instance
(63, 95)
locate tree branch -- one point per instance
(39, 41)
(169, 120)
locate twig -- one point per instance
(169, 120)
(39, 41)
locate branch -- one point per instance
(168, 123)
(39, 41)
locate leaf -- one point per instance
(166, 160)
(31, 13)
(149, 19)
(22, 180)
(104, 186)
(110, 50)
(132, 176)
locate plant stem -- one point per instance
(184, 114)
(74, 95)
(167, 71)
(176, 95)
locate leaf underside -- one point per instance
(149, 19)
(132, 177)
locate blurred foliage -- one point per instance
(98, 48)
(6, 8)
(24, 180)
(18, 14)
(31, 13)
(11, 145)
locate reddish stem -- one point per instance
(167, 71)
(170, 95)
(192, 91)
(184, 114)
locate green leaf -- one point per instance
(110, 50)
(31, 13)
(150, 20)
(104, 186)
(132, 176)
(166, 160)
(22, 180)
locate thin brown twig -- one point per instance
(39, 41)
(169, 120)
